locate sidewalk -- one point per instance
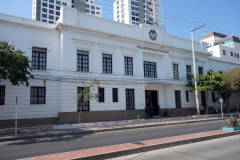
(61, 132)
(136, 147)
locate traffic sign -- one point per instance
(220, 100)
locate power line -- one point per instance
(174, 20)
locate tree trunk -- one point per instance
(80, 112)
(207, 103)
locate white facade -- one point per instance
(72, 34)
(222, 46)
(49, 10)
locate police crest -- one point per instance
(153, 35)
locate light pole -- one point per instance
(194, 69)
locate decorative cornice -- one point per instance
(128, 50)
(83, 42)
(107, 46)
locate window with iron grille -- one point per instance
(38, 95)
(200, 70)
(85, 106)
(115, 94)
(130, 103)
(2, 95)
(82, 61)
(128, 65)
(188, 70)
(39, 58)
(101, 97)
(178, 99)
(213, 97)
(150, 70)
(107, 63)
(224, 52)
(175, 71)
(187, 96)
(231, 53)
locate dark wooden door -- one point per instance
(203, 97)
(154, 102)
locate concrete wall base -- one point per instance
(101, 116)
(183, 111)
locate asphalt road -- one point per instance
(227, 148)
(44, 146)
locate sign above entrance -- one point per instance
(152, 49)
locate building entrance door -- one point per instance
(152, 98)
(203, 97)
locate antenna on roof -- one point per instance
(155, 13)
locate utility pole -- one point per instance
(194, 69)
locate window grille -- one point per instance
(150, 69)
(82, 61)
(200, 70)
(85, 106)
(175, 71)
(188, 70)
(128, 65)
(39, 58)
(130, 103)
(178, 99)
(115, 94)
(107, 63)
(2, 95)
(38, 95)
(187, 96)
(101, 97)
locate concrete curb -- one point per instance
(155, 147)
(100, 130)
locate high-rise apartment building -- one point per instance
(49, 10)
(132, 11)
(139, 11)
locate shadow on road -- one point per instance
(48, 139)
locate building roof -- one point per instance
(210, 34)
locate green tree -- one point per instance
(231, 80)
(14, 65)
(88, 93)
(210, 81)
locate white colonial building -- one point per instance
(133, 70)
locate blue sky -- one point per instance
(180, 16)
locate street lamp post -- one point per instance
(194, 69)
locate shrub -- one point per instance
(232, 122)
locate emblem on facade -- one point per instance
(153, 35)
